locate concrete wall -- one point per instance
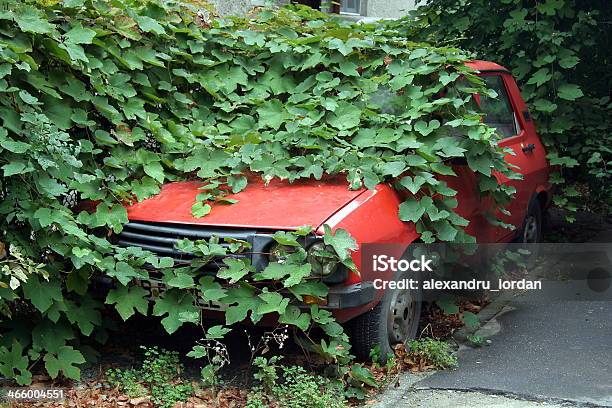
(371, 8)
(232, 7)
(241, 7)
(389, 8)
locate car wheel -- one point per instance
(531, 230)
(394, 320)
(531, 233)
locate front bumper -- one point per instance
(355, 295)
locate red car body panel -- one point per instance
(277, 206)
(370, 216)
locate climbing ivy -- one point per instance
(102, 101)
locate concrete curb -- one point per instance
(485, 314)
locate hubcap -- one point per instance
(530, 234)
(402, 310)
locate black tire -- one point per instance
(372, 328)
(531, 232)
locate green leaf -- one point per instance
(569, 92)
(85, 315)
(550, 7)
(242, 301)
(272, 114)
(544, 105)
(273, 302)
(149, 25)
(237, 183)
(64, 361)
(569, 61)
(286, 238)
(42, 294)
(28, 19)
(172, 304)
(309, 287)
(13, 364)
(425, 128)
(348, 68)
(14, 167)
(481, 164)
(412, 210)
(155, 170)
(297, 275)
(217, 332)
(180, 280)
(76, 90)
(363, 375)
(448, 306)
(128, 300)
(80, 35)
(412, 184)
(51, 186)
(14, 146)
(346, 116)
(274, 271)
(341, 241)
(294, 317)
(445, 231)
(200, 209)
(236, 269)
(540, 77)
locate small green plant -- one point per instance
(301, 389)
(256, 399)
(375, 357)
(475, 340)
(436, 352)
(128, 381)
(267, 374)
(214, 352)
(160, 366)
(167, 395)
(158, 376)
(294, 388)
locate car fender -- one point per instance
(371, 218)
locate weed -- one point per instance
(266, 374)
(294, 388)
(128, 381)
(158, 376)
(389, 362)
(160, 366)
(167, 395)
(435, 352)
(216, 355)
(475, 340)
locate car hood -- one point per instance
(278, 205)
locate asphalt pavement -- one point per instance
(542, 352)
(547, 351)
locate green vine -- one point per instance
(103, 101)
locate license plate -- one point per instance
(155, 289)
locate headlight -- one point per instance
(322, 259)
(279, 253)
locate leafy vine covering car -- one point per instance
(374, 317)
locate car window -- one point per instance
(498, 111)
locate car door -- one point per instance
(509, 115)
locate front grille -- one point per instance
(161, 238)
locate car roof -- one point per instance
(480, 65)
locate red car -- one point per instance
(374, 317)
